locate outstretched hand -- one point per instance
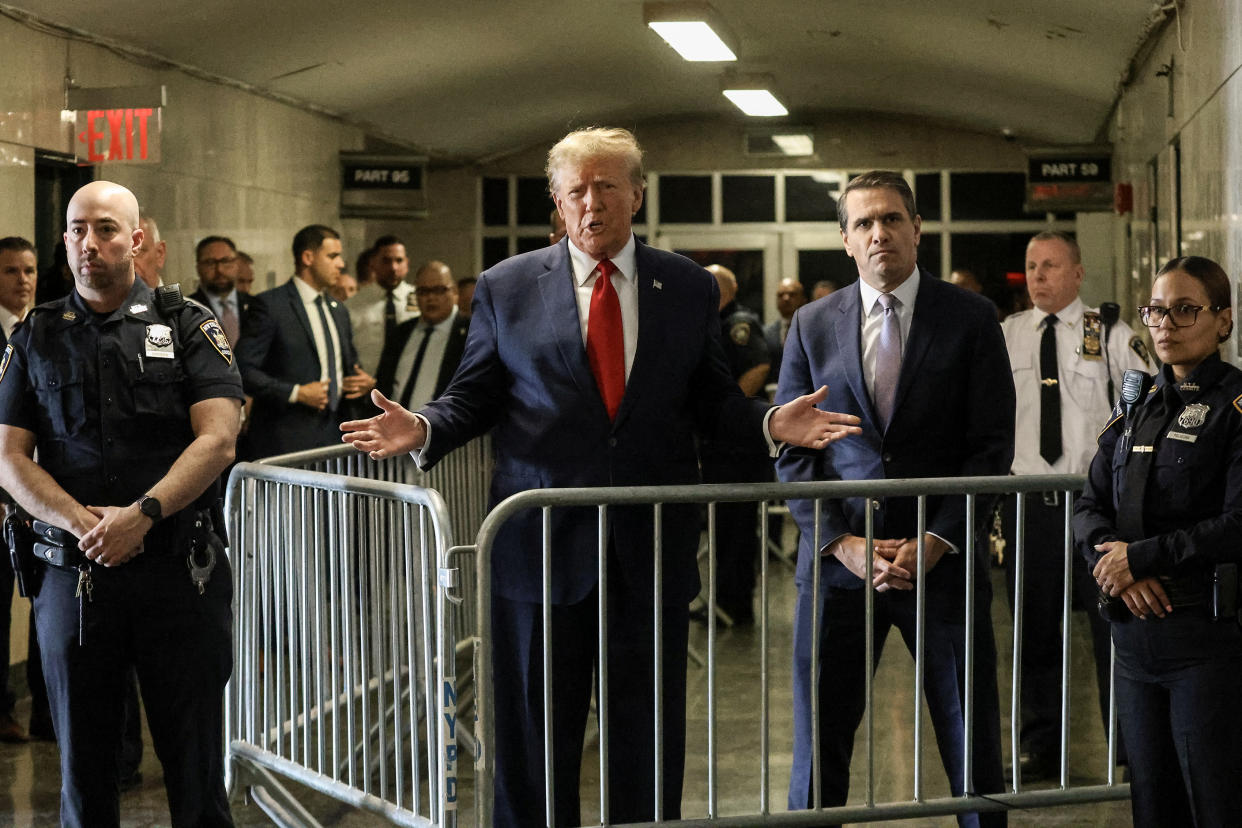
(392, 432)
(799, 422)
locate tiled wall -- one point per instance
(1188, 93)
(232, 162)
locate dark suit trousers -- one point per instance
(842, 697)
(517, 659)
(1041, 622)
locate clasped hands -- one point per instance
(896, 559)
(113, 534)
(1112, 573)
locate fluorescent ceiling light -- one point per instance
(756, 102)
(693, 40)
(795, 143)
(693, 28)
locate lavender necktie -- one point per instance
(887, 360)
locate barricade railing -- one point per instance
(344, 665)
(462, 479)
(974, 491)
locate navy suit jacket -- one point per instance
(954, 416)
(386, 379)
(276, 352)
(526, 376)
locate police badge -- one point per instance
(1091, 328)
(740, 333)
(215, 335)
(4, 362)
(159, 342)
(1193, 415)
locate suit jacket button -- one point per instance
(612, 442)
(886, 457)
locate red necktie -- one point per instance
(605, 343)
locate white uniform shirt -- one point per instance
(429, 370)
(366, 317)
(1083, 381)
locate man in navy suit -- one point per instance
(611, 403)
(218, 265)
(923, 364)
(297, 353)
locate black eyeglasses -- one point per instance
(1183, 316)
(210, 263)
(438, 290)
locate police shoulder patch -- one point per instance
(740, 333)
(215, 335)
(1140, 350)
(8, 355)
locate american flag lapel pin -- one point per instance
(657, 284)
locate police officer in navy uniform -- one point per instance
(1159, 523)
(132, 402)
(737, 543)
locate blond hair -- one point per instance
(589, 143)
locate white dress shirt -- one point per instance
(1083, 381)
(873, 320)
(309, 295)
(8, 320)
(625, 280)
(429, 370)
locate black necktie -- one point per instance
(418, 363)
(390, 316)
(334, 390)
(1049, 394)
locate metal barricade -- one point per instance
(462, 479)
(340, 677)
(973, 490)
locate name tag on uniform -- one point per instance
(1142, 449)
(1185, 438)
(159, 342)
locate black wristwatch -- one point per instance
(150, 507)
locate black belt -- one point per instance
(59, 547)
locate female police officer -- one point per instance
(1161, 513)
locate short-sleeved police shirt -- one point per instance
(108, 396)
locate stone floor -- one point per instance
(29, 776)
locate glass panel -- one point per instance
(927, 195)
(834, 266)
(496, 202)
(685, 199)
(987, 196)
(525, 244)
(807, 199)
(748, 198)
(534, 205)
(495, 250)
(747, 266)
(931, 252)
(991, 257)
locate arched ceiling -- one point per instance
(475, 79)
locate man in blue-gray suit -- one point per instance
(593, 361)
(923, 364)
(296, 353)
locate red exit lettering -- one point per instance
(116, 135)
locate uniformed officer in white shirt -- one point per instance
(379, 307)
(1067, 362)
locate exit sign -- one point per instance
(117, 124)
(125, 135)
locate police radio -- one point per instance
(1134, 387)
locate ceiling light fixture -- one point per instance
(753, 95)
(694, 29)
